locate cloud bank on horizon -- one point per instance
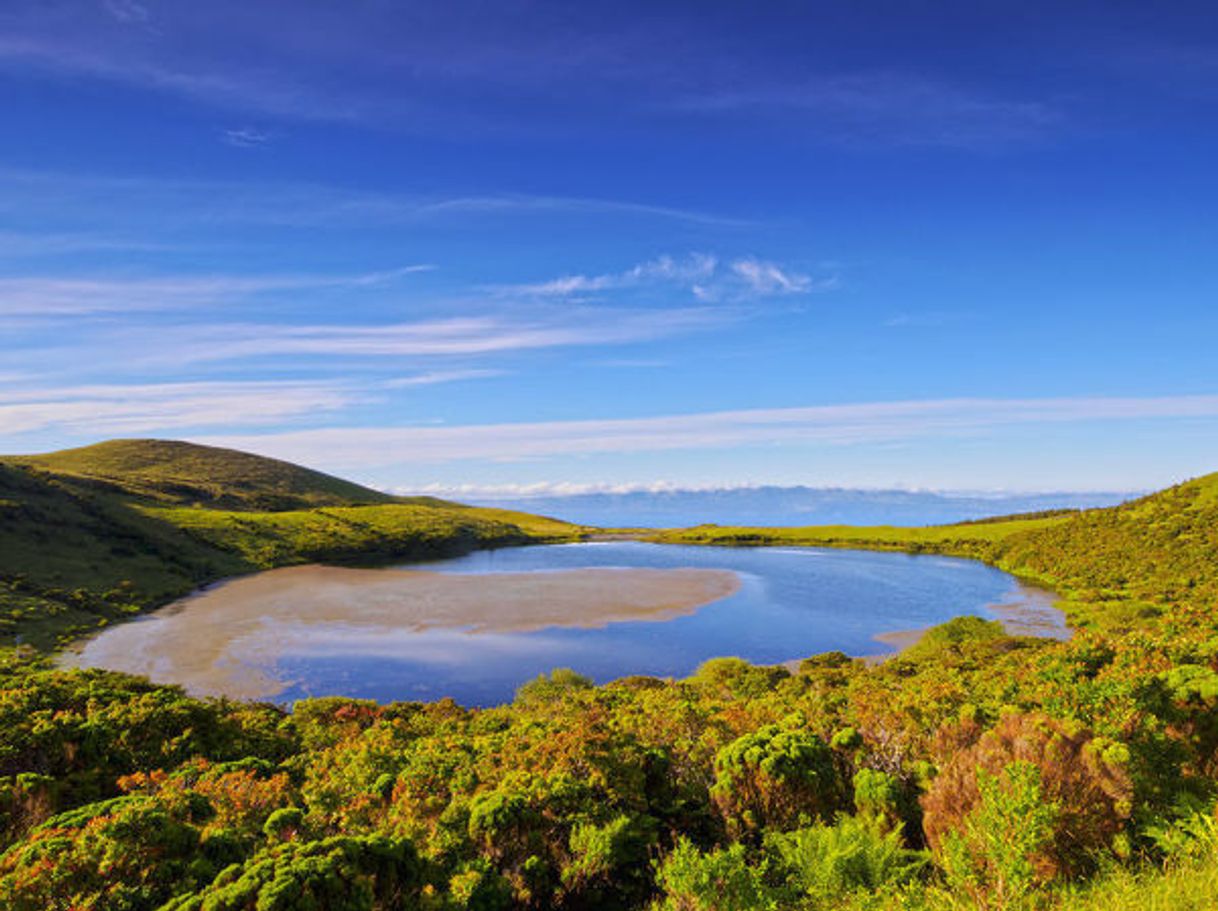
(609, 244)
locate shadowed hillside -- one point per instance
(89, 535)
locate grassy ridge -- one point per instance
(188, 474)
(965, 538)
(94, 534)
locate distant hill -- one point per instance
(189, 474)
(781, 506)
(92, 534)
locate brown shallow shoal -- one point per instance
(225, 640)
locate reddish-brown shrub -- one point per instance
(1084, 776)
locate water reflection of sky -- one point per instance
(791, 603)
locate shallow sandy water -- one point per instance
(225, 639)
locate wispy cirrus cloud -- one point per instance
(435, 68)
(120, 408)
(695, 268)
(493, 333)
(27, 244)
(111, 409)
(870, 108)
(826, 424)
(704, 276)
(770, 278)
(245, 138)
(437, 377)
(43, 296)
(194, 204)
(128, 11)
(223, 86)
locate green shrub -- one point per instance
(336, 874)
(554, 685)
(993, 856)
(855, 853)
(775, 778)
(719, 880)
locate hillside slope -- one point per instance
(89, 535)
(1129, 563)
(189, 474)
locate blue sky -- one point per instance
(440, 245)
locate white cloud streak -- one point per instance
(110, 409)
(769, 278)
(128, 11)
(826, 424)
(194, 204)
(457, 336)
(436, 377)
(699, 273)
(885, 108)
(58, 296)
(28, 244)
(665, 269)
(246, 138)
(119, 409)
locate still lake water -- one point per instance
(792, 602)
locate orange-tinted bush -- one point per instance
(1084, 776)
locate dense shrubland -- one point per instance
(947, 778)
(966, 774)
(975, 770)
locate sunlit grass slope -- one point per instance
(91, 534)
(978, 536)
(185, 473)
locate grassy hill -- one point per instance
(92, 534)
(188, 474)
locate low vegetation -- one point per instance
(976, 770)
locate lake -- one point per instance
(476, 627)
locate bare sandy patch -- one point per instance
(226, 639)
